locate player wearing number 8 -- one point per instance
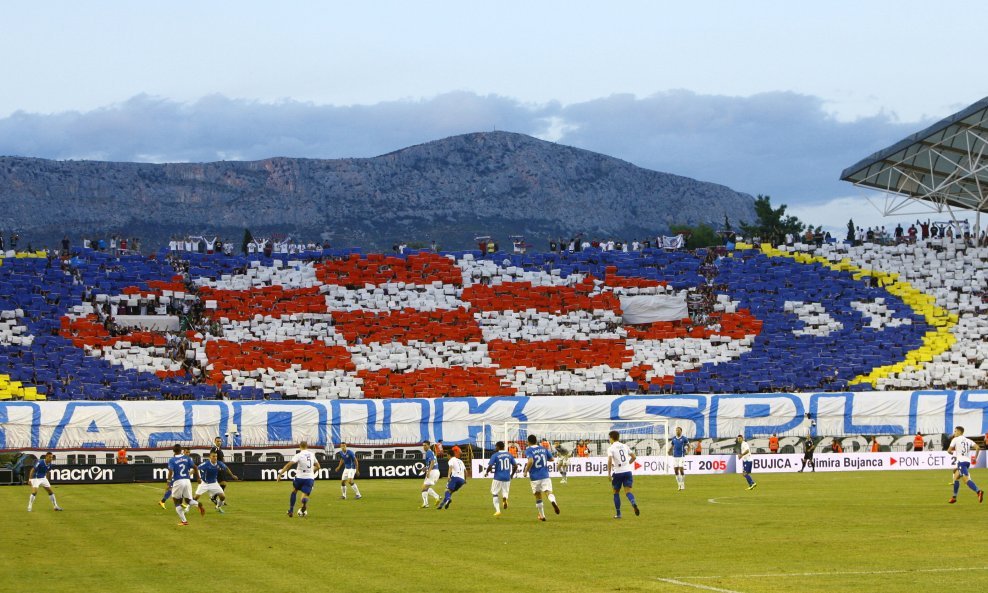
(504, 466)
(620, 461)
(537, 468)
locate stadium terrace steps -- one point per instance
(342, 324)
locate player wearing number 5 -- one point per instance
(962, 448)
(306, 468)
(537, 468)
(744, 456)
(504, 466)
(620, 461)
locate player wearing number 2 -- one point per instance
(620, 461)
(962, 447)
(537, 468)
(504, 466)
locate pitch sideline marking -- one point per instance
(839, 573)
(696, 586)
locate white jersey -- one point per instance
(745, 453)
(620, 456)
(962, 447)
(456, 468)
(305, 463)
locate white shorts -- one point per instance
(678, 461)
(563, 462)
(500, 488)
(203, 487)
(431, 478)
(541, 486)
(348, 474)
(182, 489)
(40, 483)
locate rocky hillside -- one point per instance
(449, 190)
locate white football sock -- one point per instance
(497, 505)
(355, 489)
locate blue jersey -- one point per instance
(209, 473)
(504, 465)
(41, 469)
(679, 445)
(181, 467)
(430, 458)
(349, 459)
(540, 462)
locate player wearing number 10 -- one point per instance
(620, 461)
(504, 466)
(537, 468)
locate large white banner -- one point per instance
(479, 421)
(842, 462)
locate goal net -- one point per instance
(584, 443)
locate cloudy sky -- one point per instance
(765, 97)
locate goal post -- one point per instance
(585, 442)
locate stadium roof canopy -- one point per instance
(945, 165)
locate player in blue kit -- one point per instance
(306, 468)
(680, 446)
(620, 463)
(431, 470)
(537, 469)
(209, 474)
(504, 466)
(351, 468)
(168, 485)
(38, 478)
(457, 479)
(180, 471)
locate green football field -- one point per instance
(867, 531)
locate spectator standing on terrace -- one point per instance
(835, 447)
(122, 457)
(773, 443)
(874, 444)
(918, 442)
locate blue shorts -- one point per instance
(622, 479)
(746, 466)
(964, 468)
(455, 484)
(304, 484)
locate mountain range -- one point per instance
(449, 190)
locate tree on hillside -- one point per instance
(698, 236)
(771, 224)
(248, 239)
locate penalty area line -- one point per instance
(695, 586)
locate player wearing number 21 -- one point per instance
(537, 468)
(620, 461)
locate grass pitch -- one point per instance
(866, 531)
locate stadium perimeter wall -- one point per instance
(477, 421)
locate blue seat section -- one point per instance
(778, 360)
